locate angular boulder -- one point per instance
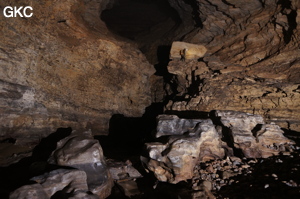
(250, 134)
(82, 151)
(174, 161)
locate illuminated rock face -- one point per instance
(83, 152)
(63, 68)
(252, 136)
(81, 171)
(175, 161)
(252, 62)
(192, 141)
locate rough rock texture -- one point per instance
(82, 151)
(252, 136)
(125, 175)
(34, 191)
(121, 170)
(63, 183)
(175, 160)
(252, 63)
(192, 141)
(62, 68)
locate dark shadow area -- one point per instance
(127, 135)
(161, 68)
(293, 135)
(129, 18)
(44, 149)
(291, 16)
(194, 88)
(256, 129)
(19, 174)
(270, 178)
(227, 135)
(8, 140)
(195, 13)
(163, 53)
(189, 114)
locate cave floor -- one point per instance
(274, 177)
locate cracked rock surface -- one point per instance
(195, 140)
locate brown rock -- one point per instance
(252, 61)
(61, 68)
(175, 160)
(250, 134)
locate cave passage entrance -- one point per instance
(132, 18)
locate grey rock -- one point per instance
(173, 125)
(64, 180)
(252, 136)
(121, 170)
(175, 160)
(34, 191)
(82, 151)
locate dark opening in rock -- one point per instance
(130, 18)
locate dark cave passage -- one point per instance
(130, 18)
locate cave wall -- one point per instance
(252, 64)
(63, 68)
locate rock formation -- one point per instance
(192, 141)
(63, 68)
(63, 183)
(82, 151)
(252, 136)
(252, 63)
(175, 160)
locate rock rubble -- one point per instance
(191, 141)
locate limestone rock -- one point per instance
(62, 68)
(62, 183)
(82, 151)
(186, 50)
(122, 170)
(252, 61)
(173, 125)
(34, 191)
(252, 136)
(65, 181)
(174, 161)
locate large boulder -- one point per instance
(227, 133)
(175, 160)
(83, 152)
(62, 183)
(250, 134)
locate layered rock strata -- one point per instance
(62, 68)
(252, 136)
(252, 63)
